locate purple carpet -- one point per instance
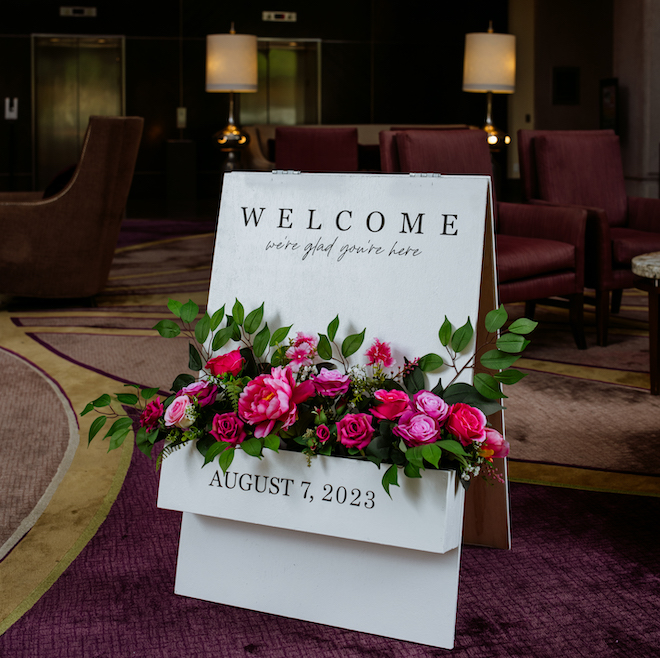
(583, 579)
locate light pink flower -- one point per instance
(322, 433)
(203, 391)
(417, 429)
(301, 338)
(151, 414)
(331, 383)
(272, 398)
(496, 442)
(180, 413)
(431, 405)
(300, 355)
(355, 431)
(379, 353)
(230, 363)
(228, 428)
(393, 404)
(466, 423)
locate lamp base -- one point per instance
(496, 138)
(231, 137)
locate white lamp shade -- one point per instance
(490, 63)
(231, 62)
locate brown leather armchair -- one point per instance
(62, 246)
(539, 251)
(584, 169)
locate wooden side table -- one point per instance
(647, 270)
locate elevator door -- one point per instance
(73, 78)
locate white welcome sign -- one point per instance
(392, 254)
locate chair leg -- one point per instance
(616, 300)
(576, 316)
(530, 309)
(602, 316)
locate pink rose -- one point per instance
(151, 414)
(466, 423)
(228, 428)
(379, 353)
(496, 442)
(322, 433)
(203, 391)
(270, 398)
(230, 363)
(417, 429)
(331, 383)
(431, 404)
(393, 404)
(355, 431)
(180, 413)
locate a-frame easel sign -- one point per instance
(395, 254)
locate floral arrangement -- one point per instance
(301, 393)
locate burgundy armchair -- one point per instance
(539, 250)
(584, 169)
(316, 149)
(62, 246)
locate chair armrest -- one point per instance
(644, 214)
(20, 197)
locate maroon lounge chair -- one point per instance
(316, 149)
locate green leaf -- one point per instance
(496, 319)
(117, 439)
(415, 456)
(430, 362)
(118, 425)
(253, 320)
(462, 337)
(181, 381)
(452, 446)
(445, 332)
(189, 311)
(222, 337)
(462, 392)
(391, 478)
(216, 318)
(213, 450)
(252, 447)
(279, 335)
(194, 359)
(411, 471)
(498, 360)
(324, 348)
(96, 427)
(352, 343)
(167, 329)
(488, 386)
(235, 330)
(226, 458)
(261, 341)
(238, 312)
(414, 380)
(102, 401)
(175, 307)
(203, 328)
(142, 441)
(148, 393)
(127, 398)
(332, 328)
(512, 343)
(272, 442)
(523, 326)
(509, 377)
(87, 409)
(432, 453)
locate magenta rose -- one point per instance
(392, 404)
(228, 428)
(466, 423)
(496, 442)
(417, 429)
(226, 364)
(203, 391)
(331, 383)
(432, 405)
(272, 398)
(322, 433)
(180, 413)
(151, 414)
(355, 431)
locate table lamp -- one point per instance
(490, 67)
(231, 67)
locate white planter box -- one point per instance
(322, 543)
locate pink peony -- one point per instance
(466, 423)
(180, 413)
(393, 404)
(496, 442)
(270, 398)
(230, 363)
(379, 353)
(355, 431)
(417, 429)
(331, 383)
(151, 414)
(204, 392)
(322, 433)
(228, 428)
(432, 405)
